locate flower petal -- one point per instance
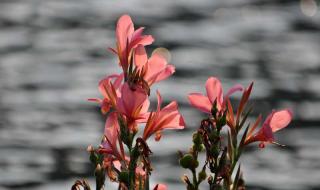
(124, 29)
(200, 102)
(280, 119)
(131, 101)
(235, 88)
(214, 90)
(111, 128)
(159, 99)
(160, 187)
(140, 56)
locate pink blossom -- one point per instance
(275, 121)
(108, 87)
(165, 118)
(127, 39)
(133, 103)
(111, 133)
(155, 68)
(214, 92)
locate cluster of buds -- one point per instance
(222, 154)
(123, 156)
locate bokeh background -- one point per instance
(53, 53)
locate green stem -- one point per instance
(195, 181)
(134, 154)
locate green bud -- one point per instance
(202, 175)
(188, 162)
(214, 151)
(198, 148)
(197, 139)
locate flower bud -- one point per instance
(214, 151)
(202, 175)
(90, 149)
(187, 161)
(197, 139)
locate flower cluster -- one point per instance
(124, 155)
(222, 155)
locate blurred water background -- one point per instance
(53, 53)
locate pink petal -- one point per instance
(168, 71)
(234, 89)
(159, 99)
(158, 69)
(200, 102)
(140, 56)
(137, 34)
(142, 40)
(160, 187)
(156, 64)
(214, 90)
(124, 29)
(112, 128)
(118, 81)
(104, 84)
(280, 119)
(170, 118)
(145, 107)
(131, 100)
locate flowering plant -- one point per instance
(123, 156)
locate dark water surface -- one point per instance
(53, 53)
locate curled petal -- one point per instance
(166, 118)
(200, 102)
(158, 69)
(165, 73)
(234, 89)
(141, 40)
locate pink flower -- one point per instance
(133, 103)
(275, 121)
(155, 68)
(111, 133)
(127, 39)
(160, 187)
(165, 118)
(108, 87)
(214, 92)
